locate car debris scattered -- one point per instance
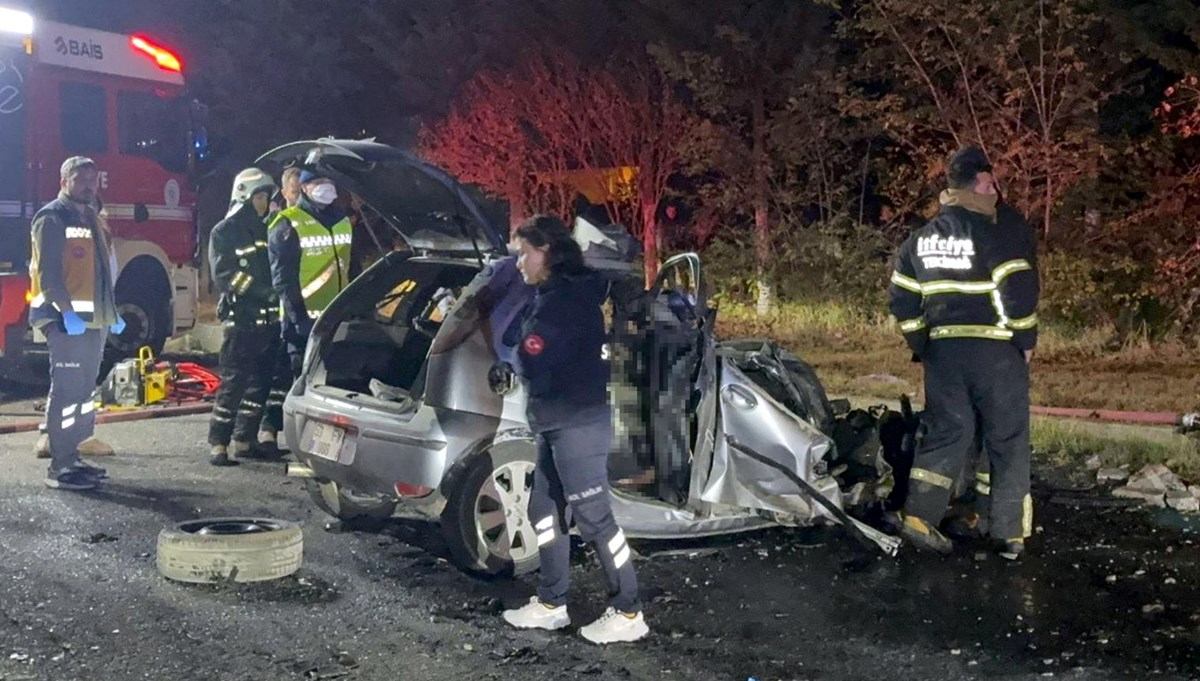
(1154, 485)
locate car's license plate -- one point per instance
(325, 441)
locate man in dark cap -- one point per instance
(72, 271)
(309, 245)
(965, 292)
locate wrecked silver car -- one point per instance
(395, 408)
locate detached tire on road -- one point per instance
(486, 520)
(241, 549)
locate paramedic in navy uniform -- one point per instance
(559, 339)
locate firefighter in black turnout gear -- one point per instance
(559, 341)
(249, 309)
(965, 292)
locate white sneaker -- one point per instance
(616, 627)
(537, 615)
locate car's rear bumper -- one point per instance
(392, 453)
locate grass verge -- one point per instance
(1069, 443)
(862, 353)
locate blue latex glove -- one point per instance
(73, 325)
(117, 326)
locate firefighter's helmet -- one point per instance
(248, 183)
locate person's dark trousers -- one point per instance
(243, 392)
(968, 379)
(279, 375)
(571, 483)
(285, 370)
(70, 411)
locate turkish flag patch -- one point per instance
(534, 345)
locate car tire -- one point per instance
(495, 486)
(237, 549)
(345, 504)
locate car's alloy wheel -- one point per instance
(502, 513)
(486, 519)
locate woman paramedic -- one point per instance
(559, 338)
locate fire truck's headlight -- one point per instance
(12, 21)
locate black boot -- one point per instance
(219, 456)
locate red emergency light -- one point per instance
(165, 59)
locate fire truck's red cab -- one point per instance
(120, 100)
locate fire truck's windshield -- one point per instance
(154, 127)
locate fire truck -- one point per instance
(120, 100)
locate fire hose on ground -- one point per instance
(1184, 422)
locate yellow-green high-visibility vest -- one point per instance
(324, 257)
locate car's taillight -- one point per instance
(404, 489)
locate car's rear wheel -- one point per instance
(486, 519)
(346, 504)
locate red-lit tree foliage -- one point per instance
(532, 134)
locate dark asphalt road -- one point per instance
(775, 606)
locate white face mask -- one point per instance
(323, 194)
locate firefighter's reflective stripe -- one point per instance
(76, 305)
(1027, 516)
(935, 479)
(999, 274)
(79, 233)
(907, 283)
(947, 286)
(1023, 323)
(983, 483)
(1001, 313)
(971, 331)
(910, 325)
(1011, 267)
(245, 251)
(241, 282)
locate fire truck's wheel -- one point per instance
(142, 328)
(241, 549)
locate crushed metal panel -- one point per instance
(751, 416)
(645, 519)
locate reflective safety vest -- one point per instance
(324, 257)
(77, 263)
